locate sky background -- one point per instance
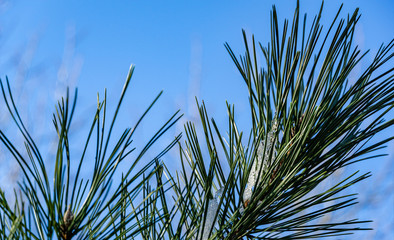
(178, 47)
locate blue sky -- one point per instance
(172, 43)
(177, 46)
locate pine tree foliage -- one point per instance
(311, 115)
(79, 208)
(308, 121)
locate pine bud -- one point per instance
(68, 217)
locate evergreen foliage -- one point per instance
(308, 120)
